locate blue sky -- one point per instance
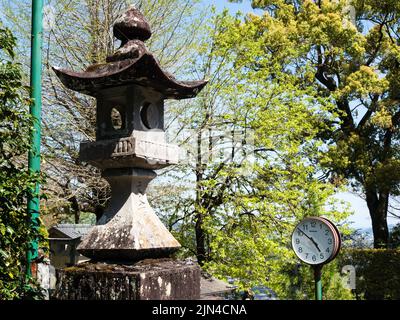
(233, 7)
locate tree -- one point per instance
(79, 35)
(351, 69)
(357, 240)
(16, 181)
(395, 236)
(210, 134)
(201, 182)
(237, 203)
(283, 184)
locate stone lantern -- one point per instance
(130, 89)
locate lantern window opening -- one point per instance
(117, 119)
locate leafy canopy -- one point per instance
(277, 183)
(344, 54)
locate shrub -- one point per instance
(16, 182)
(377, 272)
(302, 285)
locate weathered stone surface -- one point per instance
(132, 49)
(144, 71)
(161, 279)
(131, 25)
(129, 152)
(214, 289)
(129, 229)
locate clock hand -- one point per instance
(315, 244)
(304, 233)
(312, 240)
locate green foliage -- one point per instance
(357, 240)
(377, 272)
(300, 283)
(16, 183)
(242, 207)
(350, 65)
(324, 95)
(395, 237)
(268, 192)
(84, 218)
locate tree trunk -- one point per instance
(199, 230)
(98, 211)
(378, 206)
(200, 240)
(76, 209)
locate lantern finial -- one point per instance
(131, 25)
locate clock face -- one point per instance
(315, 240)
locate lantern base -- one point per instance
(155, 279)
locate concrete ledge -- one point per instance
(152, 279)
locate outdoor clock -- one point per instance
(316, 241)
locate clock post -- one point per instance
(316, 241)
(318, 282)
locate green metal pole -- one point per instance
(318, 282)
(35, 110)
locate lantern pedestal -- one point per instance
(129, 230)
(159, 279)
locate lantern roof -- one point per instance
(131, 64)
